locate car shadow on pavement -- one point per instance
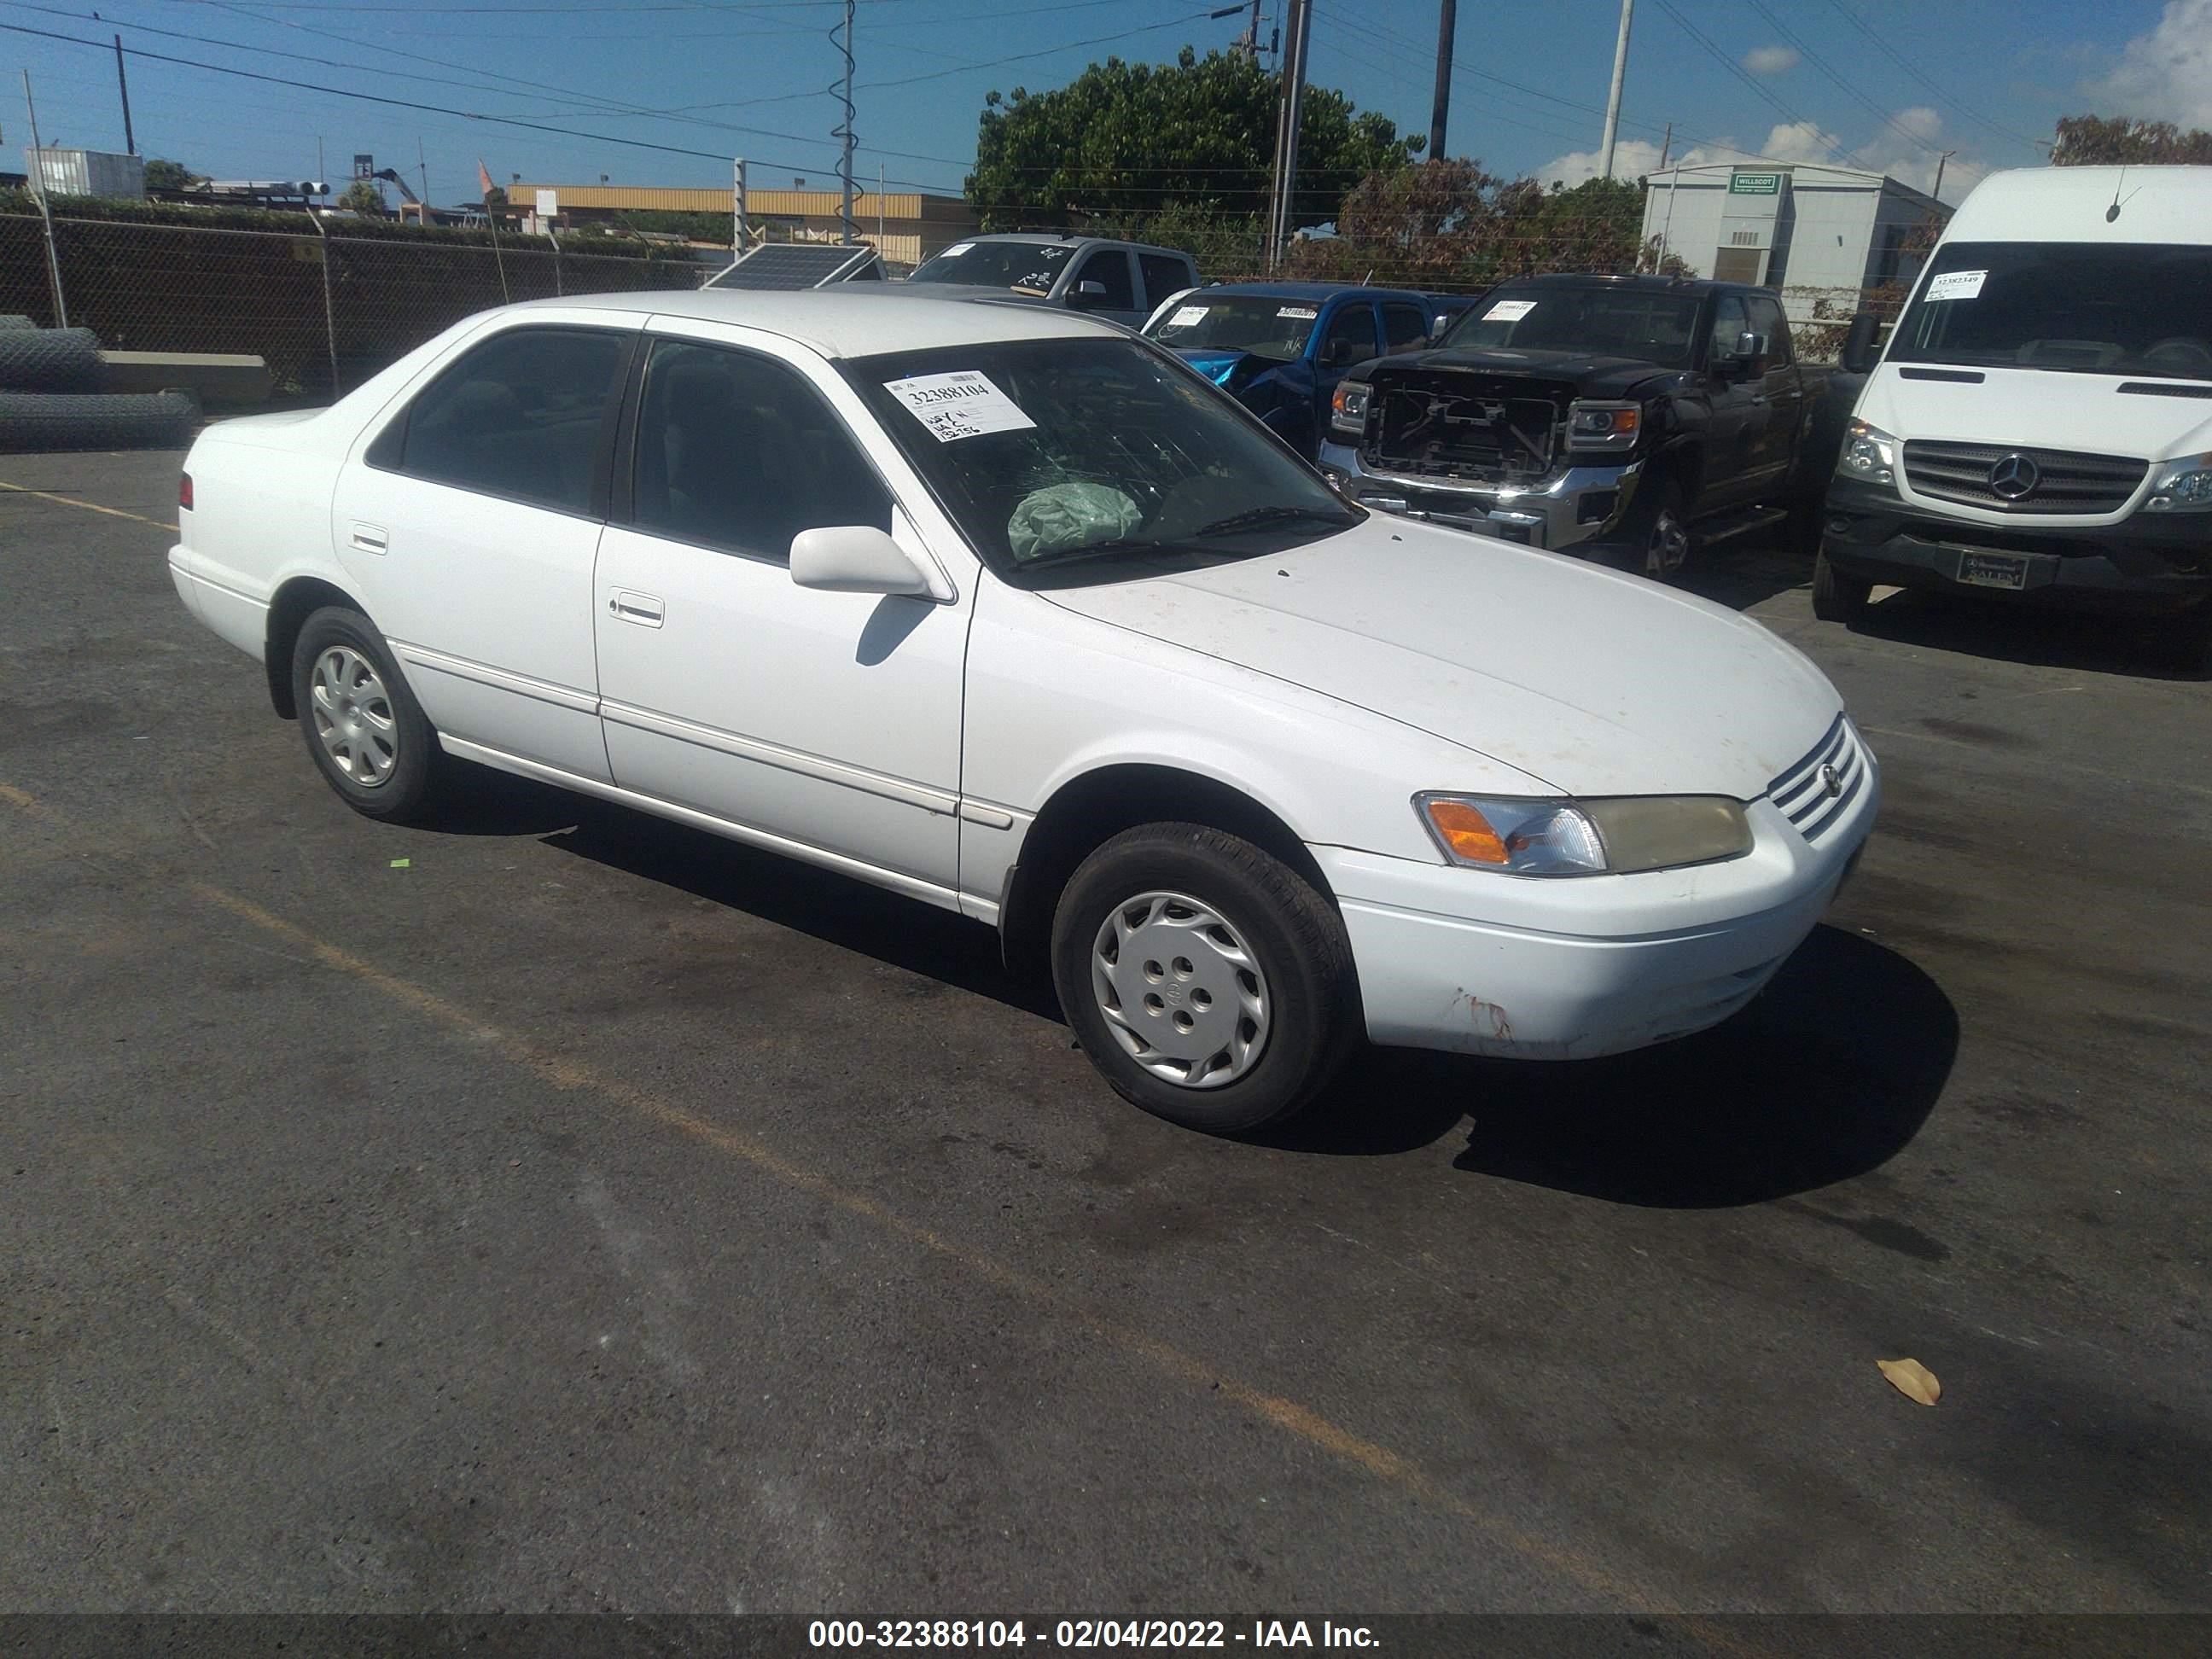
(489, 802)
(1742, 575)
(2139, 648)
(835, 908)
(1827, 1075)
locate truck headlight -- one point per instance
(2183, 486)
(1869, 454)
(1592, 425)
(1347, 408)
(1618, 834)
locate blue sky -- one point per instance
(1795, 79)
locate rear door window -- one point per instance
(1163, 275)
(519, 417)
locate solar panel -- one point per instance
(785, 266)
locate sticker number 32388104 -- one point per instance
(965, 403)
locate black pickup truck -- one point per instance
(1626, 418)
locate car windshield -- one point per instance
(2089, 307)
(1100, 452)
(1611, 322)
(1239, 322)
(1032, 265)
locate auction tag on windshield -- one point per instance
(1509, 311)
(955, 250)
(1187, 316)
(1955, 285)
(965, 403)
(1298, 313)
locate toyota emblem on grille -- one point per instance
(2014, 477)
(1831, 779)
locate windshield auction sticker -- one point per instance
(1955, 285)
(1298, 313)
(1187, 317)
(965, 403)
(955, 250)
(1509, 311)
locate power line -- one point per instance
(1907, 65)
(1849, 90)
(1737, 70)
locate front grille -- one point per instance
(2067, 482)
(1466, 425)
(1802, 792)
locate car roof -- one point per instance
(1311, 290)
(1600, 279)
(855, 319)
(1058, 238)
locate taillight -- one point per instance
(184, 491)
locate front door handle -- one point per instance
(643, 609)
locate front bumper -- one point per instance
(2146, 564)
(1623, 962)
(1572, 505)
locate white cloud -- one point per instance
(1771, 60)
(2163, 75)
(1893, 150)
(1800, 141)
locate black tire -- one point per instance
(1654, 523)
(1838, 597)
(50, 359)
(137, 420)
(1291, 933)
(407, 792)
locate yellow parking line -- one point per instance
(1285, 1414)
(89, 507)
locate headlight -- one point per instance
(1347, 408)
(1870, 453)
(1618, 835)
(1603, 426)
(2183, 486)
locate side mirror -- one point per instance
(1339, 354)
(1088, 296)
(855, 558)
(1858, 353)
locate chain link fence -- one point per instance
(323, 310)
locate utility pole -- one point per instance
(737, 208)
(1613, 98)
(1291, 107)
(122, 85)
(45, 213)
(845, 132)
(1447, 23)
(1666, 148)
(1939, 160)
(879, 210)
(423, 167)
(1252, 39)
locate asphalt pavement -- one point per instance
(590, 1214)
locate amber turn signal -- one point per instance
(1467, 832)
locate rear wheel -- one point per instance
(1838, 597)
(368, 736)
(1207, 981)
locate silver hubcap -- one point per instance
(353, 717)
(1181, 992)
(1668, 548)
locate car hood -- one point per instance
(2043, 409)
(1593, 682)
(1232, 369)
(1593, 374)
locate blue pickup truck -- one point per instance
(1281, 348)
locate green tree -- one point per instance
(2099, 140)
(1122, 142)
(169, 175)
(362, 196)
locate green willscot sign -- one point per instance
(1754, 184)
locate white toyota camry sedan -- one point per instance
(1005, 609)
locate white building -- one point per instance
(1816, 233)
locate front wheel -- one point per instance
(1207, 981)
(368, 736)
(1653, 540)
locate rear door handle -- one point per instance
(643, 609)
(370, 538)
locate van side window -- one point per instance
(736, 451)
(519, 417)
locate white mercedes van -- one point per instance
(2040, 426)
